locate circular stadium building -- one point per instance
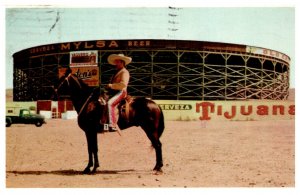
(160, 69)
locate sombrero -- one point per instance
(111, 58)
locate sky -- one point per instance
(268, 27)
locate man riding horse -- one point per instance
(117, 88)
(140, 111)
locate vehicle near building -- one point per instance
(17, 115)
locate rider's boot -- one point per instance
(113, 128)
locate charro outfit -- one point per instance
(117, 87)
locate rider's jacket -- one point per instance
(120, 80)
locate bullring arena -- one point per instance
(228, 116)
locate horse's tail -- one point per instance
(161, 124)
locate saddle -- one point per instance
(122, 110)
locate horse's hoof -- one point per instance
(86, 171)
(157, 169)
(94, 171)
(160, 172)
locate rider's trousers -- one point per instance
(112, 103)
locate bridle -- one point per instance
(67, 80)
(61, 84)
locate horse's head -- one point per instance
(74, 88)
(63, 83)
(69, 84)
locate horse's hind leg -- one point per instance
(152, 135)
(159, 160)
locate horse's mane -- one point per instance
(88, 90)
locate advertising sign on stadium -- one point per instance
(83, 58)
(227, 110)
(89, 74)
(268, 52)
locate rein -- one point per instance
(66, 79)
(86, 101)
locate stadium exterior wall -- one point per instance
(161, 69)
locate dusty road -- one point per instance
(196, 154)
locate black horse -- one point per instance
(143, 112)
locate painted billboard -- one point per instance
(227, 110)
(89, 74)
(83, 58)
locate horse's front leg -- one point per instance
(96, 165)
(90, 164)
(89, 144)
(93, 152)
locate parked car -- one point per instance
(23, 116)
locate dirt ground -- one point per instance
(196, 154)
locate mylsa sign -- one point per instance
(228, 110)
